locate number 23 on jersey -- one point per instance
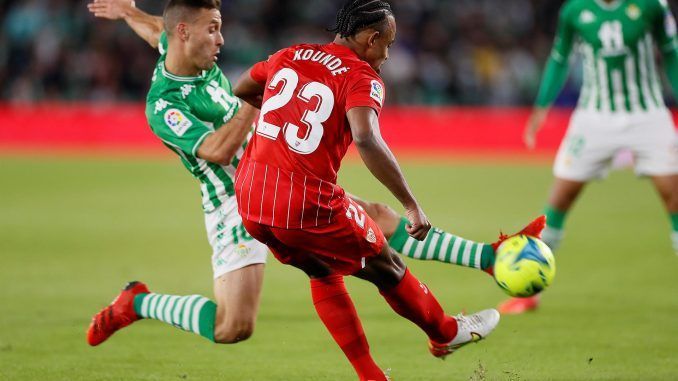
(312, 118)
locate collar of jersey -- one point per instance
(179, 78)
(348, 50)
(609, 7)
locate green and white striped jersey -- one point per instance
(183, 111)
(617, 43)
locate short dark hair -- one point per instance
(176, 11)
(357, 15)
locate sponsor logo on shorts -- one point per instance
(371, 237)
(242, 250)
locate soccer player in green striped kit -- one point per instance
(620, 106)
(191, 108)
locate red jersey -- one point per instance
(287, 176)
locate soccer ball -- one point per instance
(524, 266)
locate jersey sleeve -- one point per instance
(664, 27)
(365, 90)
(172, 121)
(259, 72)
(557, 65)
(664, 33)
(162, 44)
(565, 33)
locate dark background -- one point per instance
(458, 52)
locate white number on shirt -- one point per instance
(313, 119)
(218, 95)
(611, 37)
(353, 213)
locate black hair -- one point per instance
(175, 11)
(357, 15)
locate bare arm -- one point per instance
(380, 161)
(249, 90)
(146, 26)
(221, 146)
(534, 124)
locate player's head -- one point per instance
(371, 27)
(196, 26)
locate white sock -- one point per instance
(552, 237)
(674, 241)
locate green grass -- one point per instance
(72, 232)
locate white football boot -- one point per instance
(471, 329)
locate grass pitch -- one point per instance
(73, 231)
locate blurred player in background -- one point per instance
(620, 106)
(191, 108)
(316, 100)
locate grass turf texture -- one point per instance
(72, 232)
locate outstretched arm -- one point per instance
(221, 146)
(380, 161)
(553, 79)
(146, 26)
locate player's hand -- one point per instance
(110, 9)
(533, 125)
(419, 225)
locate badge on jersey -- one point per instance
(587, 17)
(377, 92)
(633, 12)
(177, 121)
(371, 237)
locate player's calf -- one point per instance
(233, 331)
(385, 271)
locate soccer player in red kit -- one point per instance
(315, 100)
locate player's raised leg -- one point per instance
(667, 187)
(438, 245)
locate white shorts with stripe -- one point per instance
(593, 139)
(232, 247)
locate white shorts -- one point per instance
(593, 140)
(232, 247)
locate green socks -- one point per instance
(442, 246)
(554, 218)
(553, 233)
(674, 221)
(193, 313)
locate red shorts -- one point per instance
(343, 245)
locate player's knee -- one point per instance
(384, 216)
(233, 332)
(378, 211)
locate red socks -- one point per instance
(335, 308)
(412, 300)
